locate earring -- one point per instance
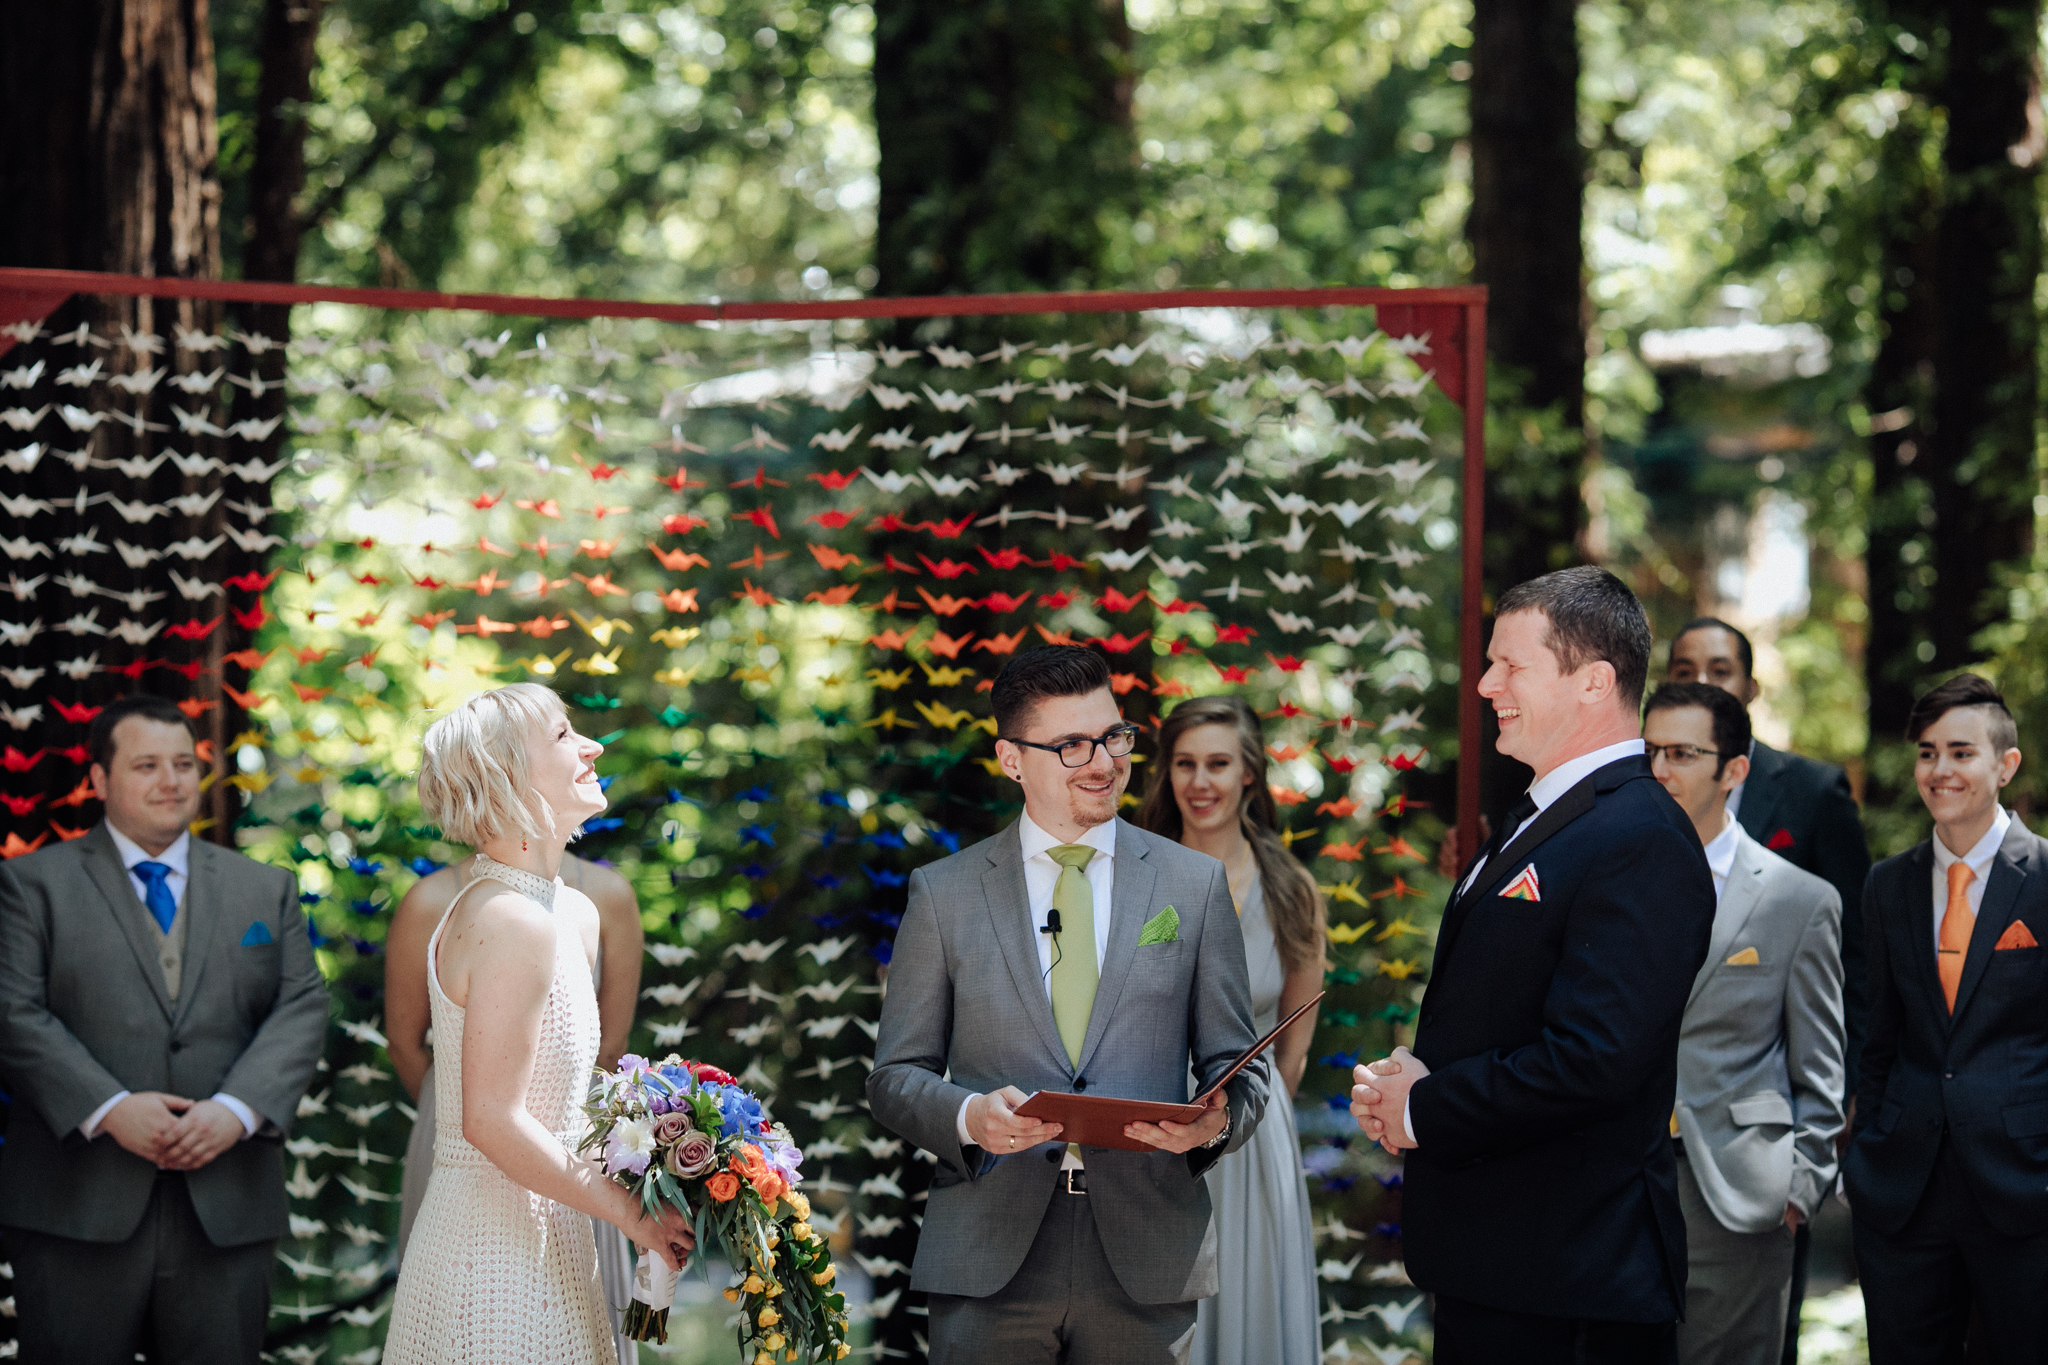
(522, 845)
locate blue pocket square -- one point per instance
(259, 934)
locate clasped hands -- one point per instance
(994, 1124)
(1379, 1097)
(171, 1132)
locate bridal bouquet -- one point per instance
(686, 1135)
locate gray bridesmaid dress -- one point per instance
(615, 1254)
(1267, 1310)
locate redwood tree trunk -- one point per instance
(121, 171)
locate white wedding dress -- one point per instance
(494, 1273)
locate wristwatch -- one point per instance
(1221, 1137)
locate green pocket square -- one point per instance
(1163, 927)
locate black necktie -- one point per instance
(1510, 824)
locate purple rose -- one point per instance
(692, 1156)
(670, 1128)
(657, 1104)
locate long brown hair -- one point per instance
(1293, 903)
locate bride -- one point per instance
(502, 1266)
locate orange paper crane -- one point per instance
(1119, 643)
(764, 518)
(596, 549)
(1112, 600)
(430, 619)
(760, 597)
(483, 627)
(484, 502)
(999, 643)
(600, 585)
(543, 625)
(946, 604)
(678, 560)
(834, 520)
(1343, 808)
(833, 480)
(681, 524)
(946, 568)
(891, 639)
(1170, 687)
(1004, 559)
(1002, 601)
(1288, 796)
(758, 560)
(248, 658)
(1345, 853)
(1400, 890)
(1054, 637)
(486, 583)
(946, 646)
(947, 530)
(829, 558)
(1122, 683)
(834, 597)
(680, 599)
(680, 480)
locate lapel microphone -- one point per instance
(1052, 922)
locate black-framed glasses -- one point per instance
(1119, 741)
(1681, 755)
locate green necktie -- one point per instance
(1074, 973)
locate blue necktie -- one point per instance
(163, 906)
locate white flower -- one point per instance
(630, 1146)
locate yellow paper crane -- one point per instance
(754, 674)
(888, 720)
(1349, 933)
(1345, 891)
(946, 677)
(676, 677)
(600, 663)
(600, 628)
(1401, 970)
(676, 636)
(942, 715)
(542, 666)
(1395, 929)
(882, 677)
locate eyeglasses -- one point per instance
(1079, 753)
(1681, 755)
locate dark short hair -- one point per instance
(1743, 649)
(1730, 716)
(1965, 689)
(1030, 678)
(99, 742)
(1592, 617)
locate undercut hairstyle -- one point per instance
(1591, 617)
(1293, 904)
(1053, 671)
(1731, 718)
(1965, 689)
(99, 741)
(473, 766)
(1743, 649)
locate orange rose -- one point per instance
(723, 1186)
(769, 1185)
(750, 1164)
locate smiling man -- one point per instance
(1071, 952)
(160, 1015)
(1540, 1203)
(1948, 1170)
(1760, 1079)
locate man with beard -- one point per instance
(1072, 952)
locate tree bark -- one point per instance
(1528, 184)
(122, 177)
(1986, 371)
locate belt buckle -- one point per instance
(1074, 1180)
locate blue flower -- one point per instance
(740, 1112)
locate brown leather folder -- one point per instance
(1098, 1120)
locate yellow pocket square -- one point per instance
(1746, 958)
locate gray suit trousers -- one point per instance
(1738, 1286)
(1064, 1306)
(167, 1290)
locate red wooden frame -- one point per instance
(1454, 317)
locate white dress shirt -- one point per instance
(1040, 874)
(1545, 791)
(178, 858)
(1720, 853)
(1979, 859)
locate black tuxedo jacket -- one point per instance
(1544, 1180)
(1802, 810)
(1981, 1075)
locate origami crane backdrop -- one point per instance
(774, 569)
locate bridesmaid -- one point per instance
(1210, 793)
(620, 944)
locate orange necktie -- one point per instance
(1956, 923)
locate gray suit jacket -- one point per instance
(84, 1015)
(1760, 1073)
(967, 1012)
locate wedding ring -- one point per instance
(1013, 1142)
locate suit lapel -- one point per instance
(1739, 899)
(1130, 897)
(1503, 865)
(1760, 795)
(1009, 913)
(1994, 913)
(1919, 926)
(203, 914)
(103, 866)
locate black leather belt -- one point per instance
(1073, 1180)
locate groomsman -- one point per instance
(1541, 1203)
(1760, 1078)
(1948, 1171)
(160, 1015)
(1802, 810)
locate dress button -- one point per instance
(1080, 1084)
(176, 1046)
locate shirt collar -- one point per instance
(1720, 850)
(1036, 841)
(178, 857)
(1546, 789)
(1979, 857)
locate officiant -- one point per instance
(160, 1015)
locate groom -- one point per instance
(1072, 952)
(1540, 1200)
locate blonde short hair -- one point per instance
(473, 781)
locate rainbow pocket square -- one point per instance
(1746, 958)
(1163, 927)
(258, 935)
(1524, 887)
(2016, 935)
